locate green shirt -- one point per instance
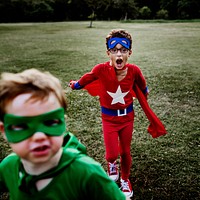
(77, 177)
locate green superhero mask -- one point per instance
(19, 128)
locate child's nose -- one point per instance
(39, 136)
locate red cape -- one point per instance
(156, 128)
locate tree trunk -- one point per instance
(91, 23)
(92, 16)
(125, 17)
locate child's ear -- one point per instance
(108, 53)
(2, 130)
(130, 52)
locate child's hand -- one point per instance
(71, 84)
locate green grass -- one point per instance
(169, 56)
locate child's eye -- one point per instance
(124, 50)
(115, 50)
(52, 122)
(18, 127)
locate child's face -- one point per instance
(39, 147)
(119, 56)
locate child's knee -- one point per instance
(111, 158)
(125, 154)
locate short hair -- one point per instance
(39, 84)
(120, 33)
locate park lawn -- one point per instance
(169, 56)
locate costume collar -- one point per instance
(27, 182)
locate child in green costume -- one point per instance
(47, 162)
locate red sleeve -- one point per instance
(140, 79)
(90, 76)
(90, 81)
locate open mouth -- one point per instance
(119, 61)
(42, 148)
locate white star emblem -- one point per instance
(118, 96)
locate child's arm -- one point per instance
(86, 78)
(141, 82)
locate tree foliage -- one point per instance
(162, 14)
(127, 7)
(145, 12)
(94, 5)
(60, 10)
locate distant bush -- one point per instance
(145, 12)
(162, 14)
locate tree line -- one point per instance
(65, 10)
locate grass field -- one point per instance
(169, 56)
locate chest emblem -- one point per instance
(118, 96)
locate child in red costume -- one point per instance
(116, 82)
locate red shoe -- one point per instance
(113, 171)
(126, 187)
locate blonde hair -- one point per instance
(120, 33)
(39, 84)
